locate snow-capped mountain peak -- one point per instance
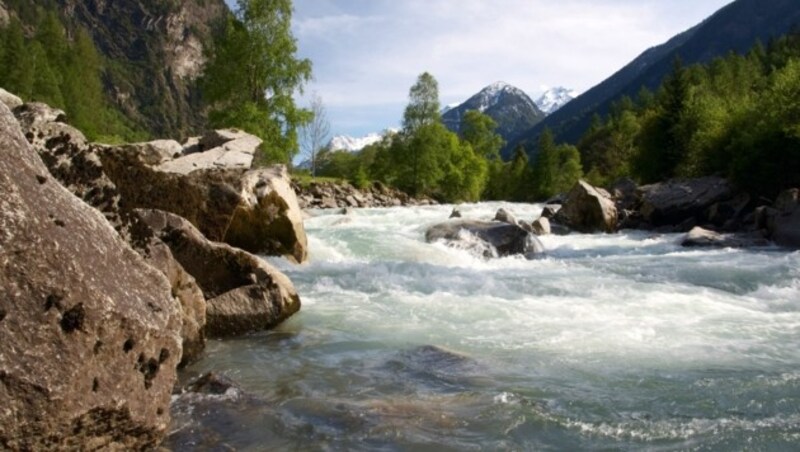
(555, 98)
(493, 94)
(355, 144)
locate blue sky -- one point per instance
(367, 53)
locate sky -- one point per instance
(366, 54)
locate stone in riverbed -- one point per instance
(244, 293)
(541, 226)
(89, 333)
(704, 238)
(588, 209)
(486, 237)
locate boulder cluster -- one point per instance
(708, 209)
(329, 195)
(116, 264)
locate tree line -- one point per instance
(427, 159)
(737, 116)
(63, 69)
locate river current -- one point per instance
(612, 342)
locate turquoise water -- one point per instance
(610, 342)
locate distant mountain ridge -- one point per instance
(734, 28)
(510, 107)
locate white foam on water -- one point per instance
(601, 324)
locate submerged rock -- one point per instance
(243, 292)
(492, 239)
(89, 333)
(588, 209)
(704, 238)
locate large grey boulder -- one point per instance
(77, 166)
(588, 209)
(681, 201)
(492, 239)
(244, 293)
(89, 333)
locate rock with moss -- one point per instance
(89, 333)
(244, 293)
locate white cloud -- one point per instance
(367, 53)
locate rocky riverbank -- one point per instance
(329, 195)
(708, 209)
(118, 262)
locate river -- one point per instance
(621, 342)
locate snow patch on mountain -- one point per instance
(555, 98)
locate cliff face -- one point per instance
(155, 52)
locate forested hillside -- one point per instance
(737, 116)
(122, 70)
(736, 27)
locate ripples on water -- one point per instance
(622, 341)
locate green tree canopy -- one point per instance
(251, 78)
(423, 104)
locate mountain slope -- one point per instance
(154, 52)
(735, 27)
(512, 110)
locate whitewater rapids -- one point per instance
(623, 341)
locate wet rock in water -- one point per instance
(678, 201)
(243, 292)
(541, 226)
(492, 239)
(588, 209)
(89, 333)
(456, 213)
(504, 216)
(213, 384)
(550, 211)
(782, 221)
(704, 238)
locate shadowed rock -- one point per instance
(679, 201)
(244, 293)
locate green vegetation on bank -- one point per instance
(738, 116)
(64, 73)
(252, 75)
